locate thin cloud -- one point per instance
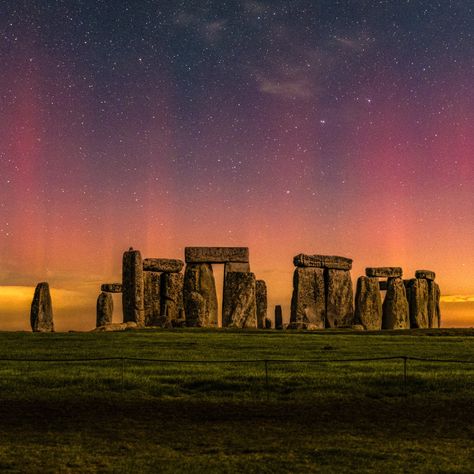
(457, 299)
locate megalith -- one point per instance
(132, 288)
(268, 323)
(105, 309)
(368, 303)
(111, 287)
(171, 298)
(339, 299)
(261, 295)
(278, 317)
(434, 312)
(239, 309)
(395, 313)
(41, 315)
(417, 294)
(152, 298)
(162, 265)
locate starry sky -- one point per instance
(323, 126)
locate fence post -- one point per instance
(266, 380)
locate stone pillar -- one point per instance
(151, 298)
(268, 323)
(239, 309)
(171, 298)
(368, 303)
(132, 288)
(200, 297)
(308, 302)
(339, 299)
(41, 315)
(105, 309)
(395, 306)
(434, 313)
(278, 317)
(417, 294)
(261, 288)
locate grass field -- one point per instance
(321, 416)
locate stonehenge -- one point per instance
(105, 309)
(41, 314)
(395, 313)
(133, 288)
(239, 305)
(368, 303)
(262, 303)
(424, 296)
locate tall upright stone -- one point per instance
(200, 297)
(262, 302)
(152, 298)
(41, 314)
(434, 312)
(368, 303)
(278, 317)
(308, 302)
(339, 299)
(133, 288)
(417, 294)
(171, 298)
(239, 308)
(104, 309)
(395, 306)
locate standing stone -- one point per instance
(308, 303)
(200, 297)
(261, 289)
(434, 312)
(268, 323)
(368, 303)
(236, 267)
(417, 294)
(132, 288)
(395, 306)
(339, 299)
(278, 317)
(41, 315)
(239, 308)
(105, 309)
(152, 296)
(171, 298)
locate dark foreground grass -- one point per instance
(139, 416)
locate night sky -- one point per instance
(334, 127)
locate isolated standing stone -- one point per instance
(132, 288)
(308, 302)
(417, 294)
(322, 261)
(384, 272)
(339, 299)
(395, 306)
(261, 289)
(105, 309)
(200, 297)
(239, 308)
(216, 254)
(162, 265)
(41, 315)
(171, 298)
(111, 287)
(278, 317)
(368, 303)
(152, 298)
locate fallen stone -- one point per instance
(105, 309)
(268, 323)
(426, 274)
(368, 303)
(434, 312)
(216, 254)
(322, 261)
(200, 297)
(239, 308)
(172, 305)
(278, 317)
(261, 292)
(162, 265)
(417, 294)
(133, 288)
(339, 299)
(152, 298)
(117, 327)
(384, 272)
(358, 327)
(395, 313)
(41, 314)
(308, 302)
(111, 287)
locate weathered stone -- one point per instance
(105, 309)
(395, 306)
(383, 285)
(261, 289)
(132, 288)
(172, 305)
(268, 323)
(239, 308)
(368, 303)
(322, 261)
(426, 274)
(358, 327)
(41, 315)
(216, 254)
(111, 287)
(384, 272)
(434, 313)
(200, 297)
(152, 298)
(278, 317)
(339, 299)
(116, 327)
(236, 267)
(417, 294)
(308, 302)
(162, 265)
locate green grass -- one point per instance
(138, 416)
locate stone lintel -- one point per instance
(162, 265)
(384, 272)
(216, 254)
(426, 274)
(323, 261)
(111, 287)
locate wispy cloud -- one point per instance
(457, 299)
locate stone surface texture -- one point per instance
(132, 288)
(236, 267)
(384, 272)
(323, 261)
(261, 295)
(41, 314)
(426, 274)
(368, 303)
(104, 309)
(395, 306)
(239, 308)
(152, 298)
(278, 317)
(308, 302)
(434, 313)
(162, 265)
(172, 304)
(111, 287)
(417, 294)
(339, 299)
(216, 254)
